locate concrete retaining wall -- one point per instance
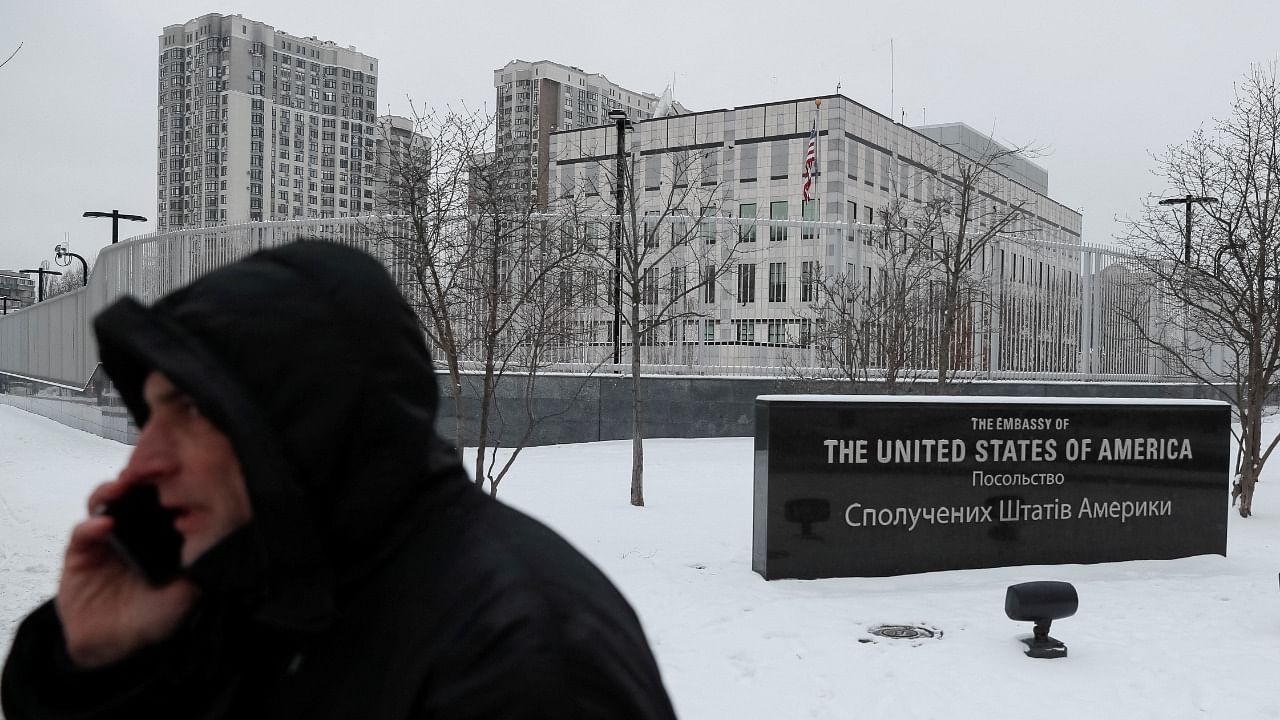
(574, 409)
(578, 409)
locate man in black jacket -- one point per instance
(337, 561)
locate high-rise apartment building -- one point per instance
(538, 98)
(396, 141)
(258, 124)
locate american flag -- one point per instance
(810, 163)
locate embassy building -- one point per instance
(743, 169)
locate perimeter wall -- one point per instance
(578, 408)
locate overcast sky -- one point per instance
(1100, 85)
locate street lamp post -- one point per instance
(116, 216)
(61, 254)
(622, 123)
(40, 285)
(1186, 255)
(1187, 201)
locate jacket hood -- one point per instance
(309, 360)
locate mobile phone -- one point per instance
(143, 533)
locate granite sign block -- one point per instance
(853, 486)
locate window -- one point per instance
(708, 282)
(652, 172)
(747, 163)
(711, 167)
(746, 283)
(680, 168)
(868, 215)
(777, 282)
(780, 160)
(746, 330)
(650, 228)
(747, 230)
(777, 332)
(649, 286)
(809, 213)
(679, 227)
(677, 282)
(707, 225)
(809, 276)
(778, 211)
(709, 331)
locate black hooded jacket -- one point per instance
(375, 580)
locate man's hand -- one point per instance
(108, 611)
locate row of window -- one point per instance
(810, 278)
(678, 227)
(355, 75)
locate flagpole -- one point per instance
(817, 173)
(817, 159)
(810, 149)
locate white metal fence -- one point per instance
(1052, 311)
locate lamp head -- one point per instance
(1042, 602)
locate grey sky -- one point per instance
(1099, 85)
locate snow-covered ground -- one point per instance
(1197, 637)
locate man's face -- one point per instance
(192, 465)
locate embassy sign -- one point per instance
(873, 485)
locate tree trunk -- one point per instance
(1251, 444)
(493, 296)
(455, 390)
(1248, 478)
(945, 335)
(637, 432)
(482, 435)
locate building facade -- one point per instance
(396, 141)
(258, 124)
(750, 164)
(535, 99)
(968, 141)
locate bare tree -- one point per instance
(1214, 317)
(667, 254)
(478, 265)
(873, 326)
(423, 189)
(524, 302)
(71, 279)
(970, 206)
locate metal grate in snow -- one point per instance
(906, 632)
